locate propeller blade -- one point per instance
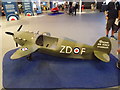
(16, 44)
(9, 33)
(19, 28)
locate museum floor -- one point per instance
(85, 28)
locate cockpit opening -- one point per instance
(39, 40)
(46, 41)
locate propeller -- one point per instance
(19, 28)
(9, 33)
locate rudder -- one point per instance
(102, 49)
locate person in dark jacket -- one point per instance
(75, 8)
(112, 14)
(71, 9)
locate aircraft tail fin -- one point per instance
(102, 49)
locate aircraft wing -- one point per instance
(26, 49)
(102, 56)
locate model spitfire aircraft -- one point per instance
(31, 42)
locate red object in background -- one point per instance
(83, 7)
(56, 9)
(28, 15)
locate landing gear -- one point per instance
(29, 57)
(118, 64)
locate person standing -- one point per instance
(111, 16)
(62, 7)
(71, 8)
(35, 7)
(20, 8)
(75, 8)
(66, 6)
(92, 7)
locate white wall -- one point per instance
(107, 1)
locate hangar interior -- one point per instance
(86, 27)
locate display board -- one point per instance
(27, 6)
(11, 11)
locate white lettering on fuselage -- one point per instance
(69, 49)
(62, 49)
(82, 50)
(66, 49)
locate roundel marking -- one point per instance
(28, 14)
(12, 18)
(76, 50)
